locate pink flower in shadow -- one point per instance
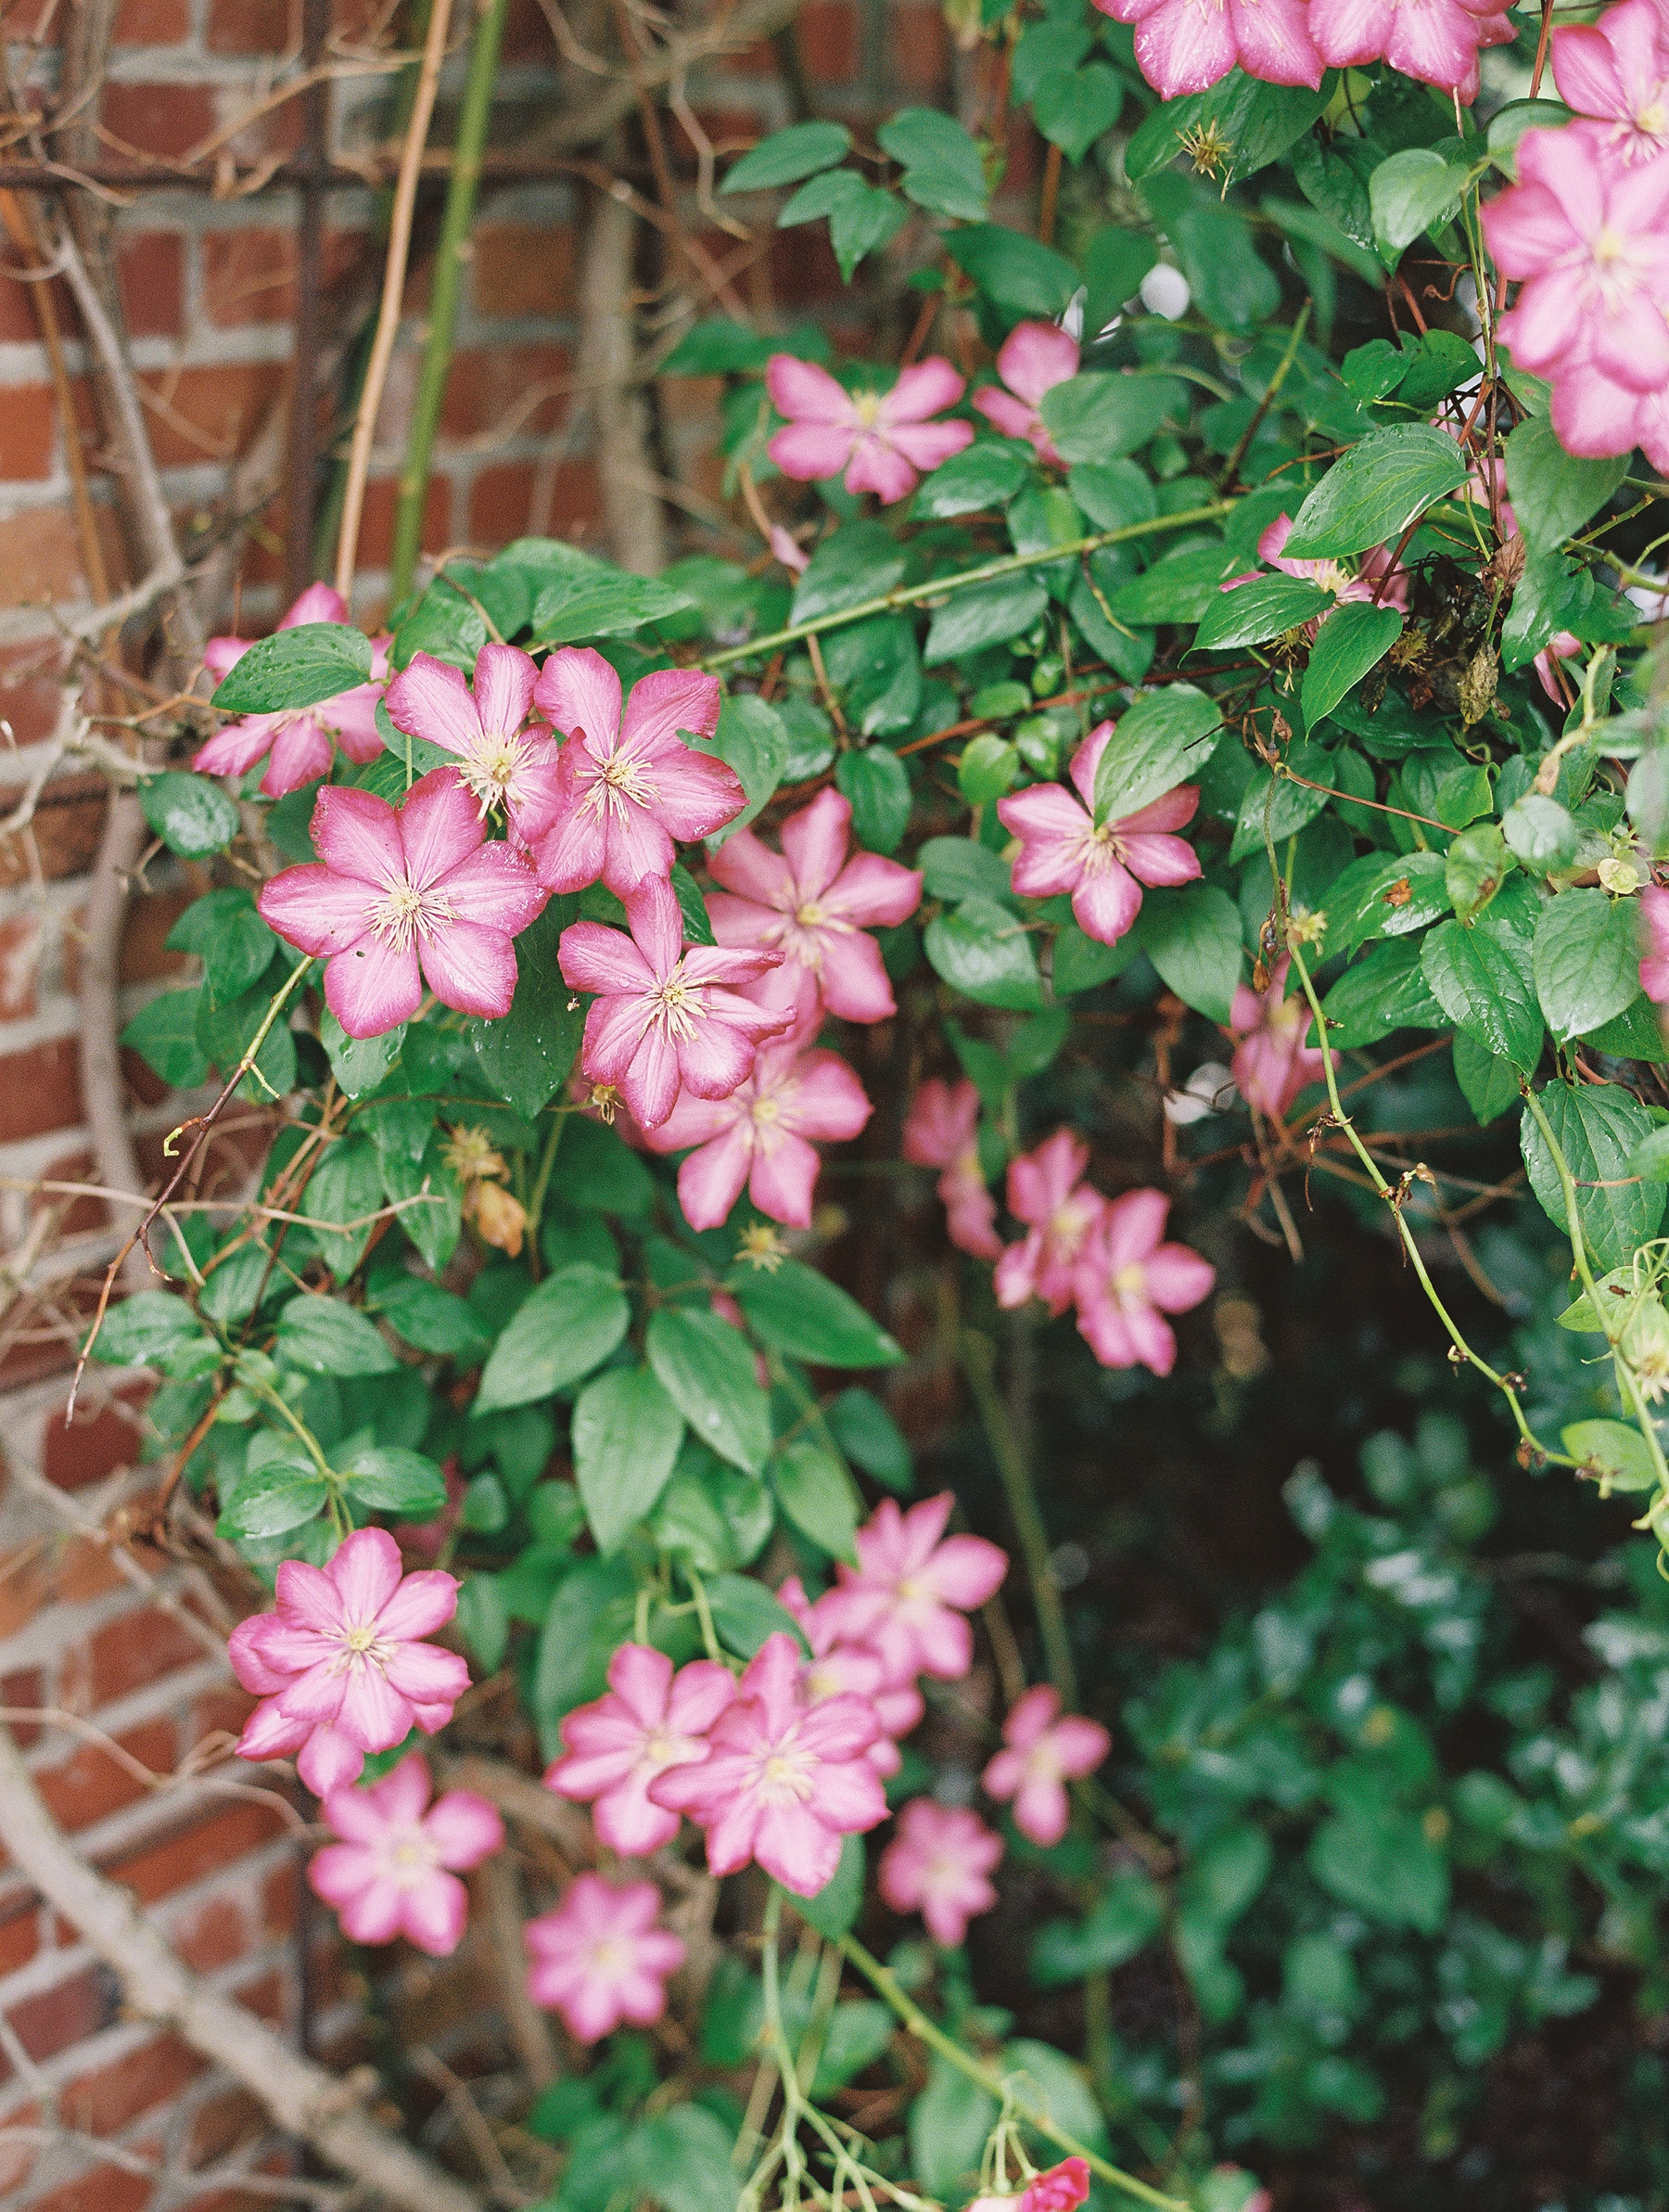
(1183, 46)
(666, 1016)
(1437, 41)
(1127, 1280)
(404, 896)
(786, 1779)
(630, 785)
(907, 1595)
(342, 1667)
(394, 1870)
(939, 1864)
(301, 741)
(941, 1130)
(602, 1957)
(1043, 1750)
(838, 1664)
(880, 441)
(1331, 575)
(650, 1719)
(1617, 72)
(509, 771)
(1104, 868)
(1047, 1190)
(1654, 930)
(815, 904)
(1272, 1063)
(1034, 359)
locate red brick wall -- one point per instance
(208, 286)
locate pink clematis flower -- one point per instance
(600, 1957)
(762, 1135)
(786, 1779)
(1125, 1281)
(665, 1015)
(1046, 1190)
(1061, 2188)
(300, 740)
(403, 896)
(880, 440)
(342, 1667)
(1437, 41)
(507, 769)
(1590, 239)
(939, 1864)
(629, 782)
(1105, 868)
(836, 1665)
(1561, 645)
(1035, 358)
(814, 905)
(1654, 921)
(909, 1590)
(395, 1872)
(1043, 1751)
(1183, 46)
(651, 1719)
(1332, 575)
(940, 1131)
(1617, 72)
(1272, 1063)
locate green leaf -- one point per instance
(444, 625)
(861, 218)
(707, 1369)
(323, 1337)
(985, 769)
(985, 614)
(787, 156)
(1155, 747)
(570, 1324)
(981, 949)
(752, 739)
(526, 1053)
(1179, 588)
(1413, 192)
(1554, 494)
(625, 1435)
(1353, 639)
(359, 1064)
(718, 347)
(1617, 1453)
(1488, 1083)
(816, 1493)
(1597, 1128)
(389, 1478)
(144, 1329)
(876, 782)
(576, 1640)
(943, 169)
(164, 1033)
(798, 1311)
(1123, 1920)
(985, 474)
(1080, 963)
(1192, 937)
(836, 1906)
(956, 868)
(192, 816)
(295, 668)
(858, 2032)
(1113, 495)
(1115, 261)
(1016, 273)
(1587, 965)
(859, 561)
(1267, 607)
(1442, 362)
(230, 938)
(1385, 992)
(603, 602)
(1481, 974)
(1385, 1867)
(1540, 833)
(691, 906)
(271, 1499)
(745, 1613)
(1375, 491)
(1231, 286)
(869, 1436)
(1385, 894)
(948, 2125)
(1255, 121)
(1474, 868)
(1098, 417)
(683, 2160)
(1071, 107)
(345, 1187)
(429, 1318)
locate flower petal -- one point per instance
(357, 833)
(372, 988)
(578, 690)
(430, 700)
(505, 677)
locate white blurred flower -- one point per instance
(1209, 1090)
(1164, 291)
(1071, 320)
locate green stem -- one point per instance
(1012, 564)
(540, 1184)
(927, 2031)
(274, 1398)
(978, 1361)
(450, 262)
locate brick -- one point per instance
(29, 698)
(139, 1648)
(53, 2019)
(486, 382)
(827, 30)
(249, 276)
(159, 119)
(212, 1936)
(152, 24)
(27, 423)
(377, 528)
(144, 957)
(84, 1569)
(90, 1784)
(523, 269)
(68, 823)
(219, 1711)
(191, 1853)
(92, 1446)
(17, 2157)
(40, 1091)
(26, 1588)
(23, 1686)
(20, 1934)
(20, 944)
(40, 559)
(150, 269)
(250, 26)
(211, 412)
(267, 1996)
(280, 1901)
(220, 2122)
(100, 2103)
(76, 1216)
(100, 2188)
(500, 497)
(920, 45)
